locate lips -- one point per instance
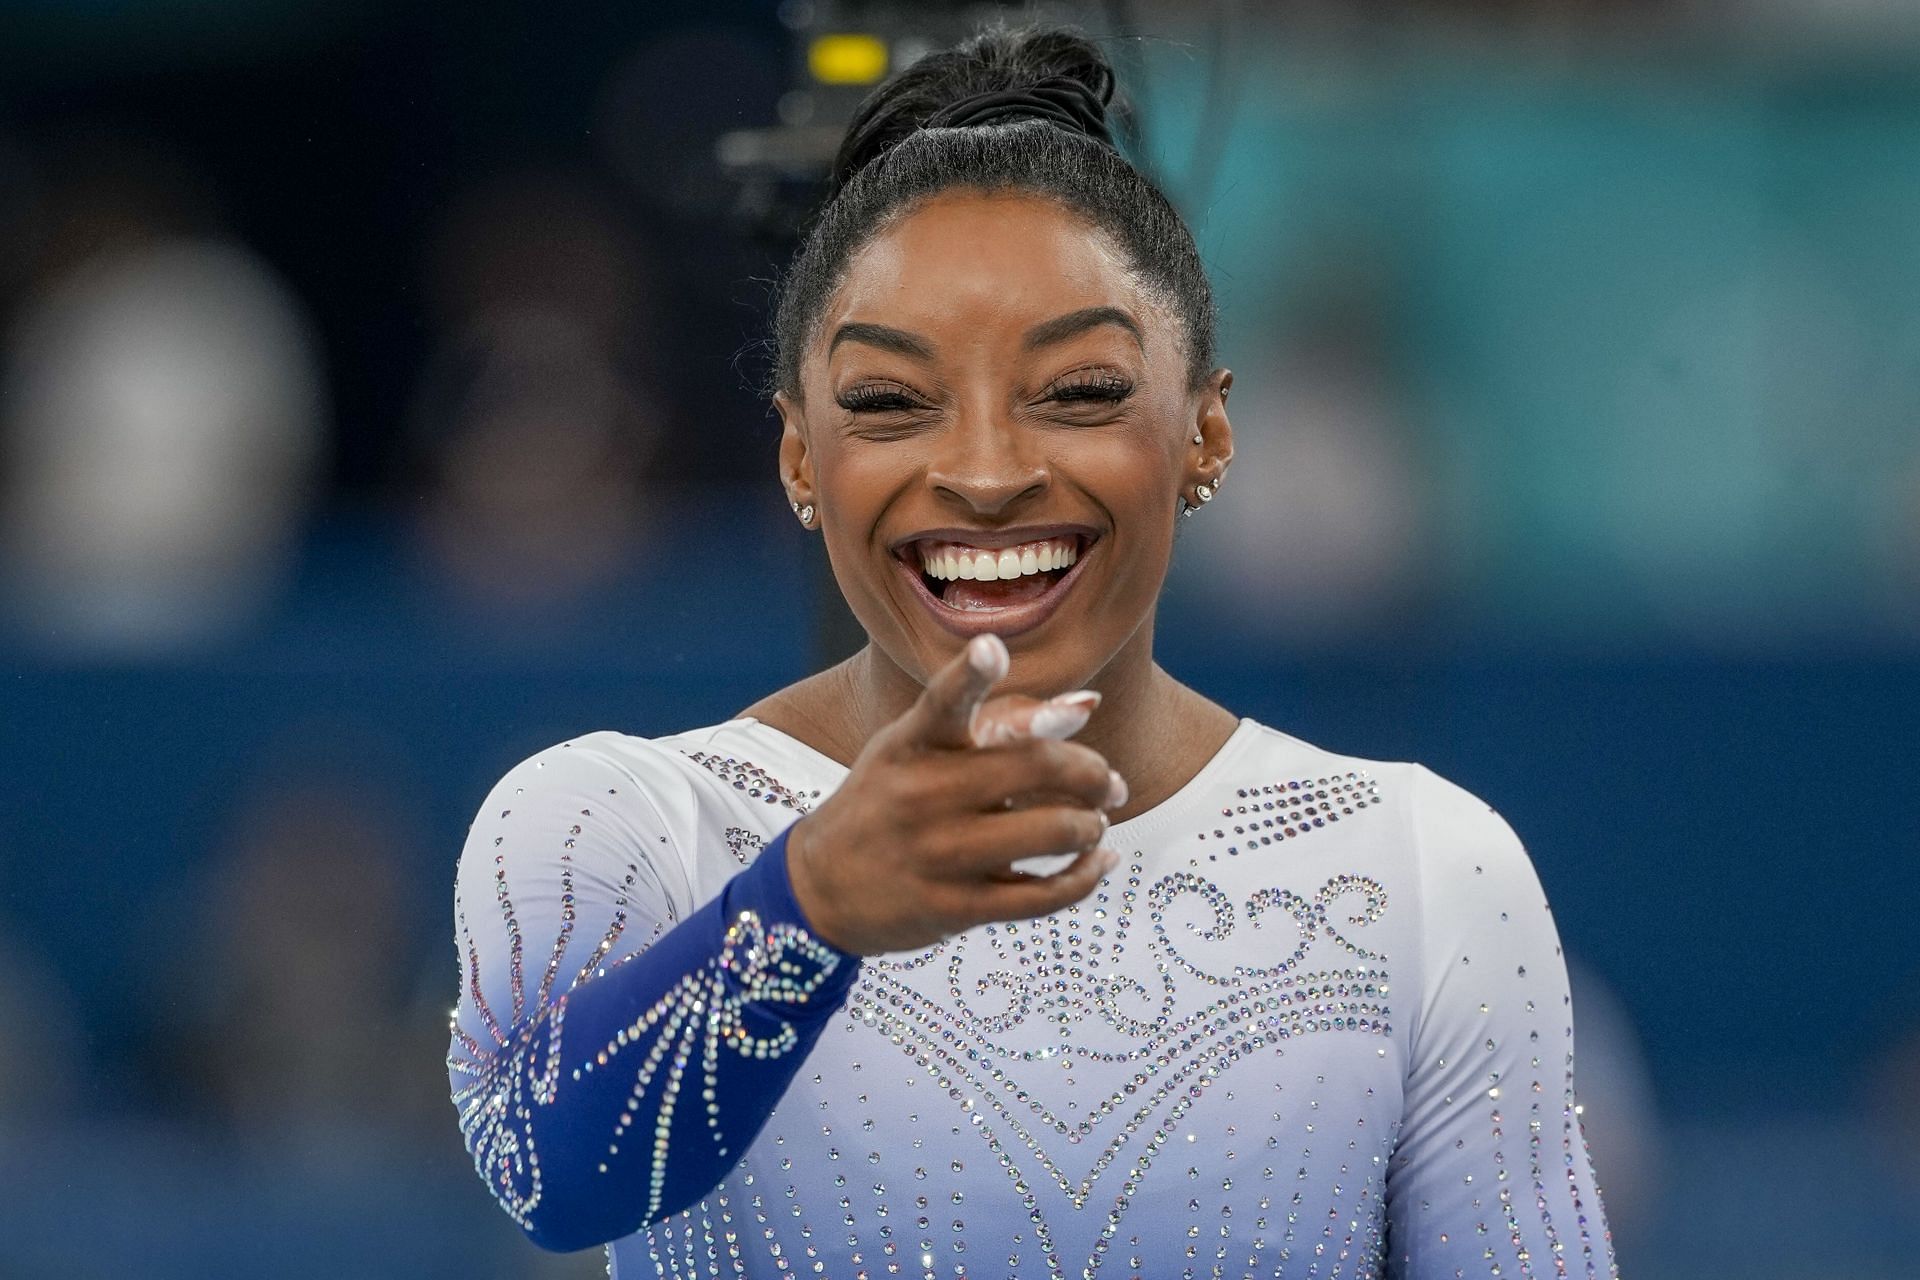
(1005, 581)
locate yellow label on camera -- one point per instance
(847, 59)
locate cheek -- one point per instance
(1130, 469)
(856, 484)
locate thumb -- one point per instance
(943, 714)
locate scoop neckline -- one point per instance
(1130, 830)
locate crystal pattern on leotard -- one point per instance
(703, 1014)
(1194, 1072)
(748, 777)
(1019, 997)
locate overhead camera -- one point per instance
(840, 51)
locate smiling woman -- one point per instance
(887, 973)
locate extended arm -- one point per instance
(597, 1108)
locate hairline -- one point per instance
(1161, 298)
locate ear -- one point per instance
(1207, 460)
(796, 460)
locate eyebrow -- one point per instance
(898, 341)
(1075, 323)
(1045, 334)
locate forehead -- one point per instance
(989, 266)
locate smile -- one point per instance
(1006, 582)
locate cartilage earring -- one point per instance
(1197, 438)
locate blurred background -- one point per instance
(378, 404)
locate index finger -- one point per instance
(943, 714)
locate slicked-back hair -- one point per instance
(891, 162)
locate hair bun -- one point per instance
(1048, 73)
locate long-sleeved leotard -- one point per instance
(593, 1107)
(1315, 1025)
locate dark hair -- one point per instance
(897, 153)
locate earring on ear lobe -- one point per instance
(1197, 439)
(804, 512)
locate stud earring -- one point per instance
(1197, 439)
(804, 512)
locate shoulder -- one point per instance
(1445, 826)
(676, 774)
(682, 790)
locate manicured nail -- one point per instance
(1116, 790)
(1059, 720)
(987, 655)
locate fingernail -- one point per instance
(1116, 790)
(1058, 720)
(1109, 859)
(987, 655)
(1088, 698)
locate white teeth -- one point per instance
(949, 561)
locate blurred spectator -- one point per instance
(1325, 493)
(532, 427)
(160, 424)
(1892, 1092)
(296, 1010)
(42, 1053)
(1619, 1117)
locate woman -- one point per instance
(924, 966)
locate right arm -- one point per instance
(614, 1078)
(615, 1052)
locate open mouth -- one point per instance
(1012, 584)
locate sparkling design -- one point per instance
(775, 965)
(757, 783)
(743, 844)
(1064, 992)
(778, 964)
(1195, 1072)
(1290, 809)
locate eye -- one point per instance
(878, 397)
(1098, 386)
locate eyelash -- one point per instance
(876, 397)
(1097, 387)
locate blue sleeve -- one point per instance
(624, 1099)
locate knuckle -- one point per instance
(1053, 760)
(1077, 828)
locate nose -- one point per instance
(987, 466)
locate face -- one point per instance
(996, 424)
